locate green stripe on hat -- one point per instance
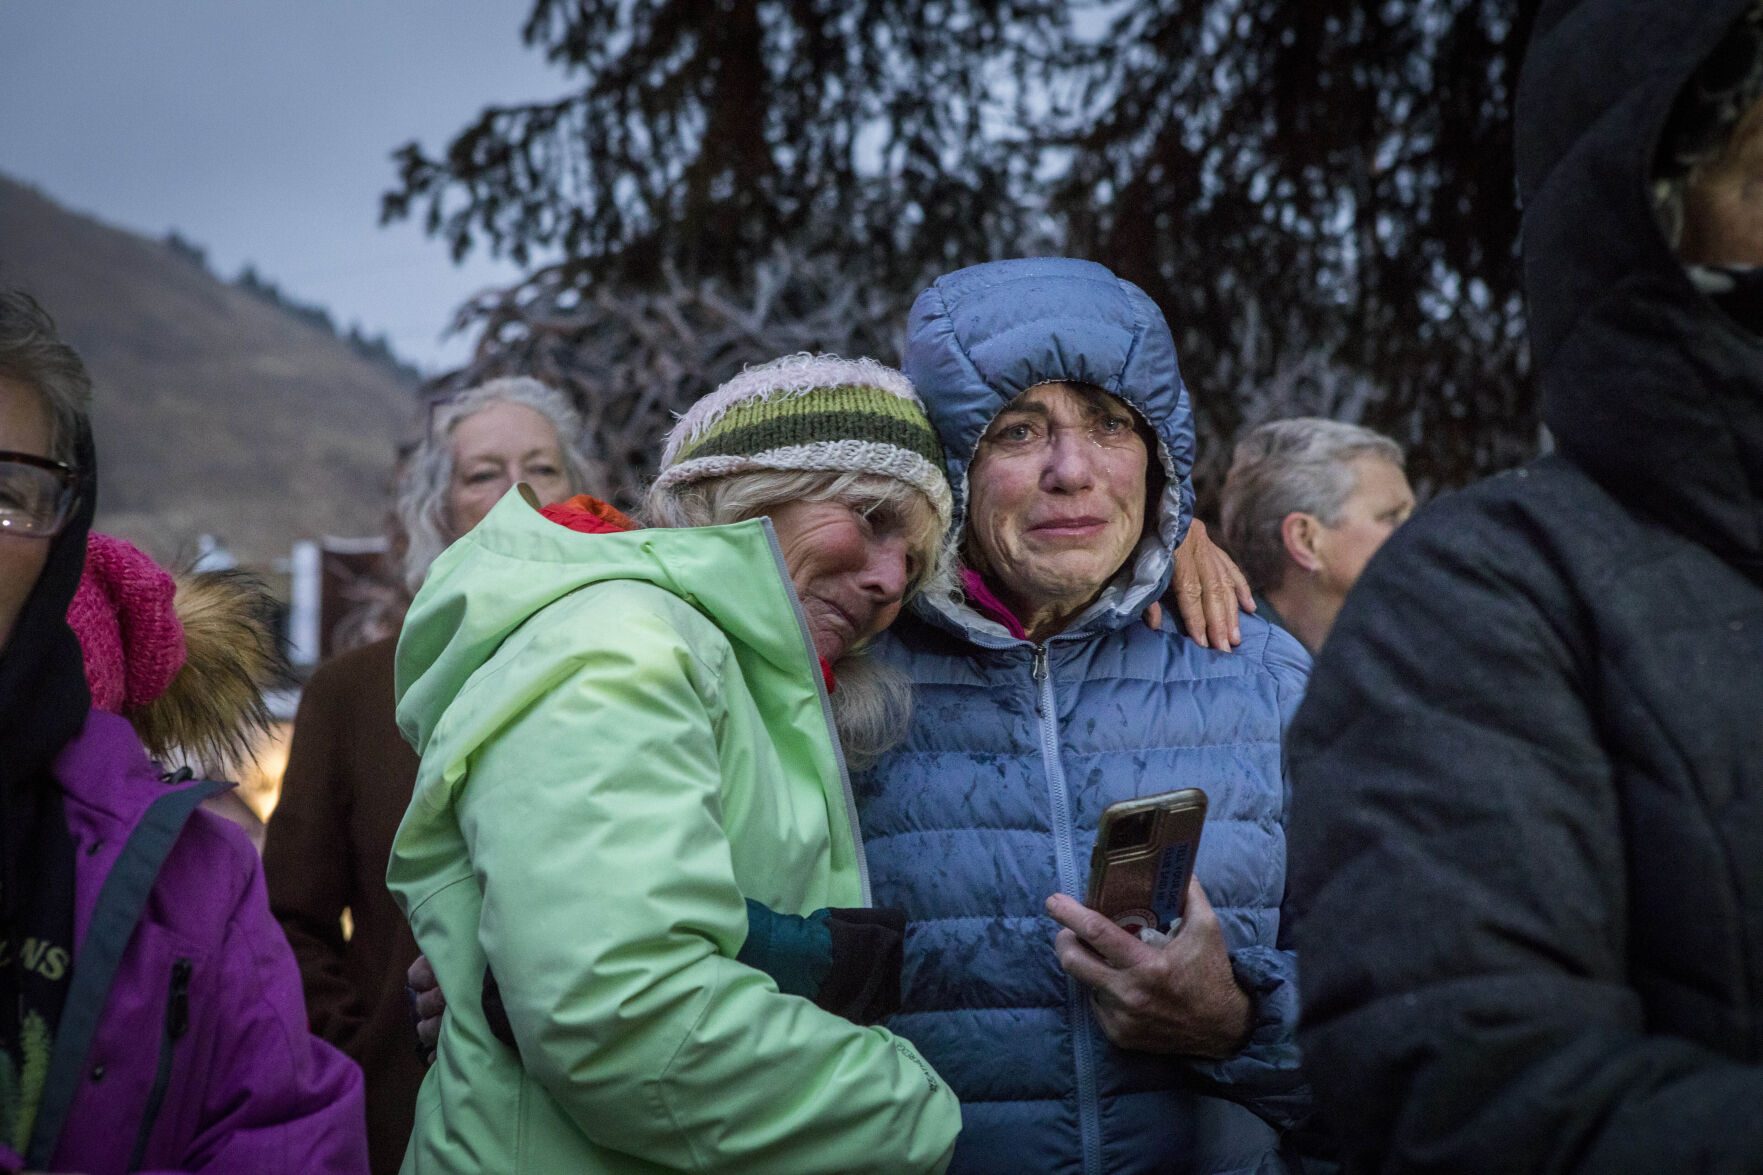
(907, 430)
(829, 398)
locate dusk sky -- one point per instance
(264, 132)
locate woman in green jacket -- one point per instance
(626, 738)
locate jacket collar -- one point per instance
(110, 784)
(106, 769)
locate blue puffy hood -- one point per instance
(981, 336)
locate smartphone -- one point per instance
(1144, 855)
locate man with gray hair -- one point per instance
(1307, 503)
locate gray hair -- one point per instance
(427, 474)
(33, 355)
(1303, 465)
(873, 704)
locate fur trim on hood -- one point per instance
(214, 708)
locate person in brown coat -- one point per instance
(350, 772)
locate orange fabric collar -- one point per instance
(589, 515)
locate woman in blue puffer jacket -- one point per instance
(1041, 698)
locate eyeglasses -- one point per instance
(37, 494)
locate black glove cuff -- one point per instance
(868, 949)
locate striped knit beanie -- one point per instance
(810, 412)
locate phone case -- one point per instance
(1144, 855)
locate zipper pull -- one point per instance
(177, 1012)
(1040, 662)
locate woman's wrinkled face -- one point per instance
(1057, 497)
(851, 567)
(492, 449)
(24, 428)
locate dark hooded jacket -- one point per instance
(1528, 826)
(992, 802)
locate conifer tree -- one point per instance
(1319, 195)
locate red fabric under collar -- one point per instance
(589, 515)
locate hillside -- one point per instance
(215, 411)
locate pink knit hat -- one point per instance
(129, 633)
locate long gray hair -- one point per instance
(427, 474)
(872, 705)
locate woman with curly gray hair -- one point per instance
(350, 772)
(477, 444)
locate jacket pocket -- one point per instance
(177, 1023)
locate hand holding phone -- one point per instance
(1177, 996)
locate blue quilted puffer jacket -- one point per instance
(1015, 749)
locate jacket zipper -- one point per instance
(1089, 1114)
(177, 1022)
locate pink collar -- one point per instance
(989, 606)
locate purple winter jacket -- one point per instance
(183, 1045)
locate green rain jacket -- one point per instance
(624, 736)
